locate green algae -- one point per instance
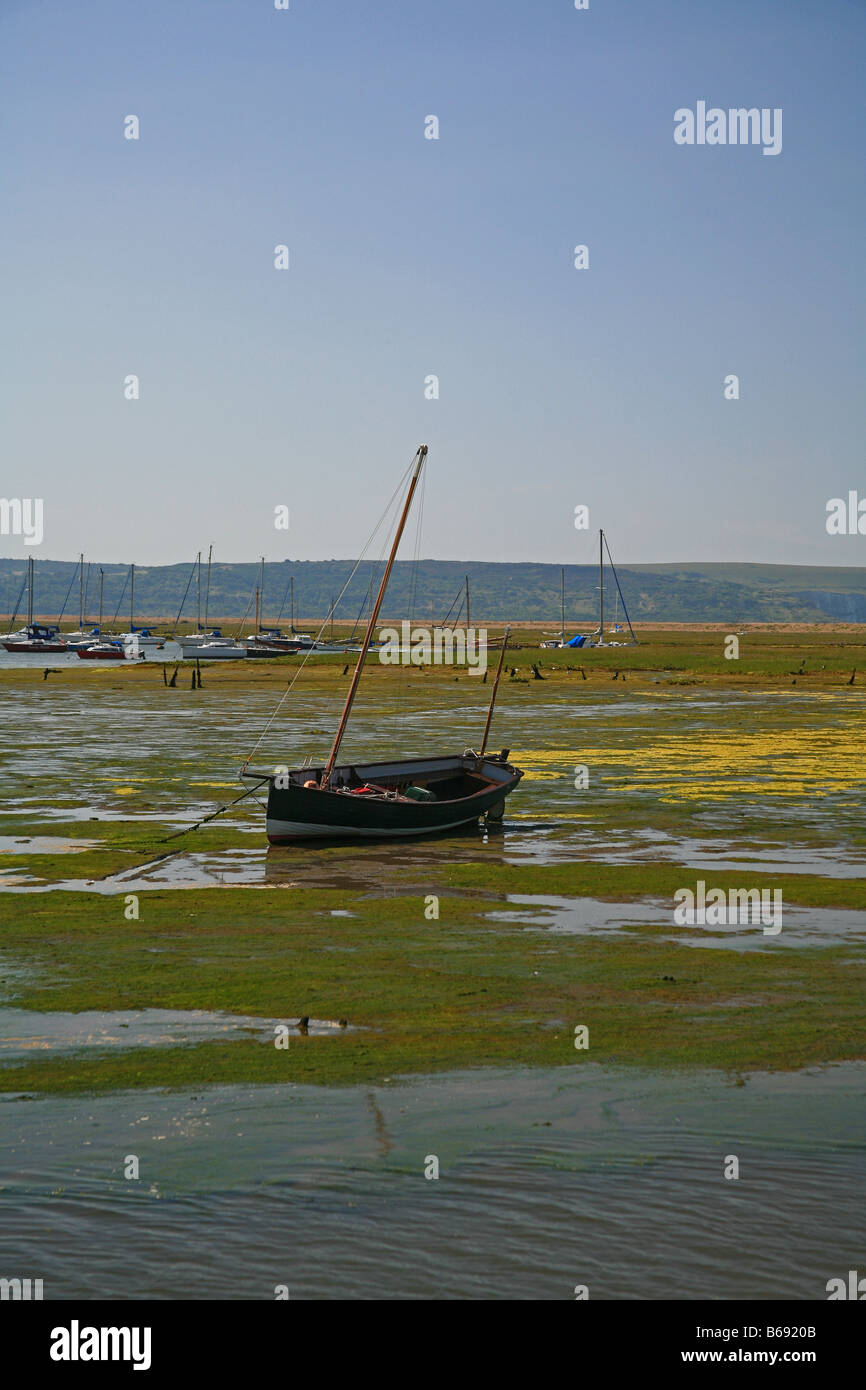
(460, 991)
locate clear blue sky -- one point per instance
(411, 257)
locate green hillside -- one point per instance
(729, 593)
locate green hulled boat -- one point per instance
(415, 796)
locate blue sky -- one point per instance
(412, 257)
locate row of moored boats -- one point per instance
(95, 645)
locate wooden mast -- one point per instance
(374, 617)
(495, 688)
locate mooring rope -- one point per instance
(213, 815)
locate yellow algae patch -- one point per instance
(125, 791)
(545, 765)
(721, 764)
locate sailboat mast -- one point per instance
(30, 591)
(81, 594)
(466, 578)
(495, 688)
(207, 586)
(292, 592)
(131, 596)
(600, 588)
(101, 579)
(258, 625)
(562, 606)
(262, 594)
(374, 617)
(198, 594)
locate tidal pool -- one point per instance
(24, 1031)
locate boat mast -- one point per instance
(600, 589)
(30, 591)
(261, 618)
(292, 592)
(374, 616)
(207, 586)
(562, 607)
(495, 688)
(131, 595)
(101, 578)
(81, 594)
(258, 625)
(198, 595)
(466, 578)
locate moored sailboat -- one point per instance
(403, 797)
(35, 637)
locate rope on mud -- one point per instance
(213, 815)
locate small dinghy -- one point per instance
(419, 796)
(416, 796)
(101, 651)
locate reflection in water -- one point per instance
(381, 1127)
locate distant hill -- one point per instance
(728, 593)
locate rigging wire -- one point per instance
(388, 507)
(460, 599)
(120, 600)
(68, 592)
(619, 590)
(246, 611)
(183, 600)
(283, 604)
(17, 602)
